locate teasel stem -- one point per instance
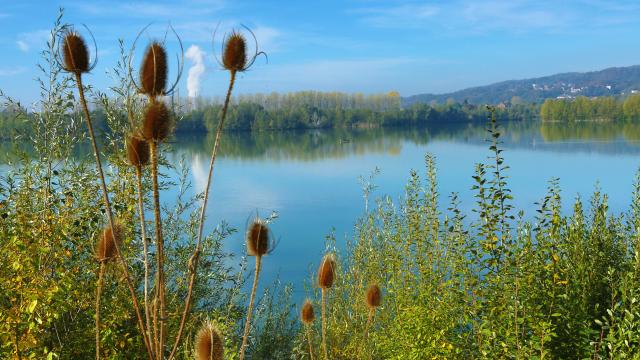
(247, 324)
(145, 249)
(324, 323)
(196, 251)
(308, 329)
(98, 296)
(160, 252)
(368, 325)
(107, 204)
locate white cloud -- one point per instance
(22, 45)
(12, 71)
(196, 55)
(267, 38)
(34, 39)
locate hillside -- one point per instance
(611, 81)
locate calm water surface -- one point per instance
(310, 178)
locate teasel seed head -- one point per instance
(137, 151)
(306, 314)
(157, 122)
(153, 74)
(373, 296)
(209, 345)
(106, 250)
(75, 54)
(258, 238)
(234, 57)
(327, 271)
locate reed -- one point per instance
(258, 244)
(238, 62)
(156, 128)
(76, 61)
(307, 316)
(326, 277)
(373, 300)
(105, 252)
(138, 155)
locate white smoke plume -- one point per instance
(196, 55)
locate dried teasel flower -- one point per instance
(306, 314)
(234, 57)
(157, 122)
(327, 272)
(373, 296)
(75, 53)
(137, 151)
(209, 345)
(153, 74)
(258, 238)
(106, 249)
(234, 52)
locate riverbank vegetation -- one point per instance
(606, 108)
(302, 110)
(415, 281)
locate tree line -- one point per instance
(606, 108)
(301, 110)
(315, 110)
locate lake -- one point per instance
(310, 178)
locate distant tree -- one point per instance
(631, 107)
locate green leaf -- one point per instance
(32, 306)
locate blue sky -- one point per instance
(352, 46)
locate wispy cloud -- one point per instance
(22, 45)
(343, 75)
(32, 39)
(148, 9)
(399, 15)
(268, 38)
(518, 15)
(471, 16)
(11, 71)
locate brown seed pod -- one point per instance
(306, 314)
(106, 250)
(373, 296)
(75, 53)
(234, 57)
(209, 345)
(153, 74)
(258, 241)
(137, 151)
(327, 271)
(157, 122)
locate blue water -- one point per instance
(310, 178)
